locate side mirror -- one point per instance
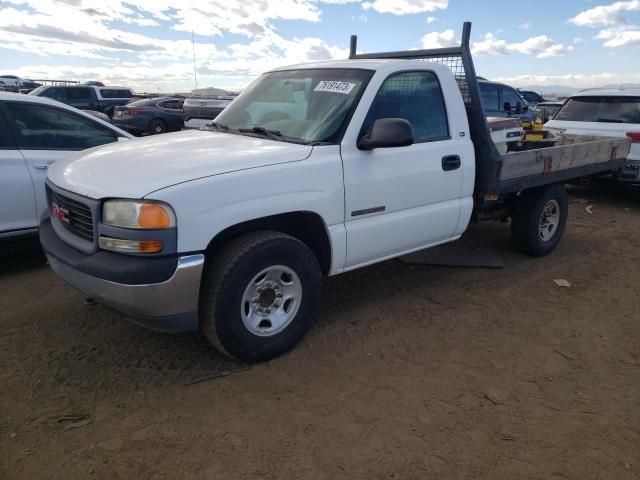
(519, 108)
(387, 133)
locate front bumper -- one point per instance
(170, 305)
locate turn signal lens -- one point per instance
(152, 215)
(130, 246)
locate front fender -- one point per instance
(207, 206)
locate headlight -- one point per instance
(138, 214)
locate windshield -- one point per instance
(304, 106)
(601, 109)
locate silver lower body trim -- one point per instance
(175, 297)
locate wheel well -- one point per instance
(307, 227)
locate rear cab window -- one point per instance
(115, 93)
(610, 109)
(490, 96)
(78, 94)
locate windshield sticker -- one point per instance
(334, 87)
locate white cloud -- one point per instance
(618, 32)
(87, 29)
(541, 46)
(525, 26)
(573, 80)
(490, 45)
(430, 20)
(605, 14)
(443, 39)
(619, 36)
(405, 7)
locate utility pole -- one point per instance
(195, 73)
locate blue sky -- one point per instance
(147, 44)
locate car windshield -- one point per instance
(601, 109)
(301, 106)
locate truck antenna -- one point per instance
(195, 73)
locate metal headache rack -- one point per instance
(528, 166)
(459, 61)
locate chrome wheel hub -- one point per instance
(271, 300)
(549, 220)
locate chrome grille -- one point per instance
(80, 219)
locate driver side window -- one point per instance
(415, 97)
(45, 128)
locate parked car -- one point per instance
(608, 112)
(532, 97)
(102, 116)
(27, 86)
(199, 111)
(315, 169)
(501, 100)
(154, 115)
(10, 81)
(87, 97)
(34, 133)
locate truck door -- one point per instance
(403, 198)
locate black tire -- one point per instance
(231, 272)
(157, 125)
(527, 218)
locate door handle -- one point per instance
(451, 162)
(41, 166)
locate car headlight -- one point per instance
(138, 214)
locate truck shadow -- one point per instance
(22, 259)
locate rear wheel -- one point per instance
(260, 296)
(539, 219)
(157, 125)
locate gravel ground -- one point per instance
(411, 372)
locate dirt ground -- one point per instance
(411, 372)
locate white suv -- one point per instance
(609, 112)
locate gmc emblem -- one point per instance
(60, 213)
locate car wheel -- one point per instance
(260, 296)
(157, 125)
(539, 219)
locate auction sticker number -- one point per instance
(333, 86)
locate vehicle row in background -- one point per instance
(198, 111)
(500, 100)
(87, 97)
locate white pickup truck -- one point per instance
(312, 171)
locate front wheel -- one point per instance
(260, 296)
(539, 219)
